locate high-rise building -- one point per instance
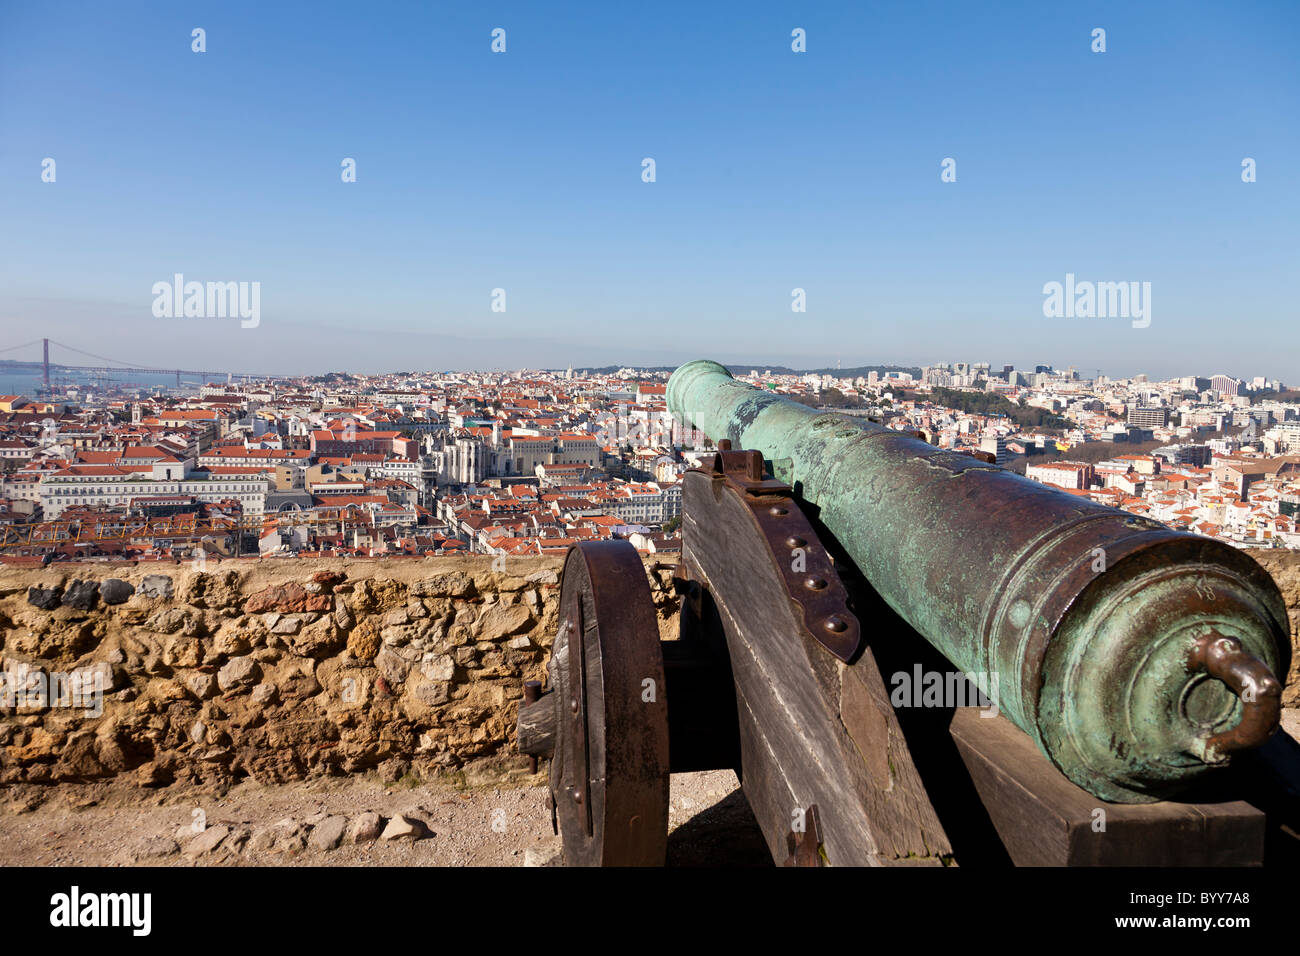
(1148, 416)
(1225, 385)
(995, 445)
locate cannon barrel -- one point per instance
(1137, 657)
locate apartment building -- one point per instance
(111, 486)
(1063, 474)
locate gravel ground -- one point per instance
(709, 822)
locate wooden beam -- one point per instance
(1045, 820)
(812, 729)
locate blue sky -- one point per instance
(775, 170)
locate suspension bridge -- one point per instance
(116, 365)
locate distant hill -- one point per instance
(860, 370)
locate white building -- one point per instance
(114, 487)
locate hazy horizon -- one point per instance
(7, 375)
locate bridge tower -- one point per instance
(45, 368)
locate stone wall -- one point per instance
(284, 671)
(274, 671)
(1285, 568)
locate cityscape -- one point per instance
(530, 462)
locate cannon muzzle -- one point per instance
(1137, 657)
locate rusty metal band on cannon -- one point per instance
(1136, 657)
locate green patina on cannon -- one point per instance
(1138, 658)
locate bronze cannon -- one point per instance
(820, 558)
